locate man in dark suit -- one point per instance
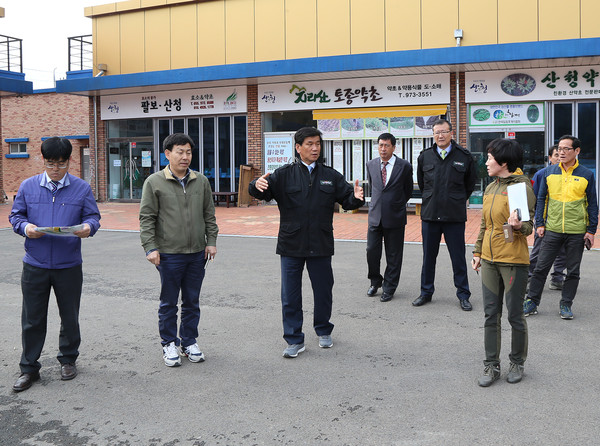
(446, 175)
(391, 183)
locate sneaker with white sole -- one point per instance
(529, 307)
(565, 312)
(171, 355)
(292, 350)
(325, 341)
(193, 353)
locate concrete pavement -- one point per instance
(264, 221)
(397, 375)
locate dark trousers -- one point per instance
(321, 279)
(558, 275)
(552, 242)
(454, 235)
(504, 282)
(185, 273)
(394, 249)
(35, 285)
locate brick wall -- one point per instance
(101, 151)
(36, 116)
(462, 119)
(255, 151)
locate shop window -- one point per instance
(18, 147)
(288, 121)
(129, 128)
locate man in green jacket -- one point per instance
(179, 231)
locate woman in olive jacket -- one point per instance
(504, 263)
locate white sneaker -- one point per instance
(171, 355)
(193, 353)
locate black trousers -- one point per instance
(552, 243)
(321, 280)
(35, 285)
(393, 238)
(454, 235)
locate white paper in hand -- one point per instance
(517, 198)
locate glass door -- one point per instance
(130, 163)
(141, 162)
(478, 143)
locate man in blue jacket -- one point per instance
(306, 192)
(53, 199)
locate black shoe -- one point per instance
(421, 300)
(372, 290)
(386, 297)
(68, 371)
(25, 381)
(465, 305)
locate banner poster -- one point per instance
(374, 149)
(417, 148)
(376, 126)
(330, 128)
(357, 159)
(353, 128)
(402, 127)
(338, 156)
(424, 125)
(502, 115)
(279, 150)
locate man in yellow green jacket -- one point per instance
(566, 215)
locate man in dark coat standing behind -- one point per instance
(391, 183)
(446, 175)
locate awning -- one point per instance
(381, 112)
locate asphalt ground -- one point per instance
(396, 375)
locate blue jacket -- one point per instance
(73, 204)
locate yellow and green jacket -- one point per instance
(490, 244)
(566, 201)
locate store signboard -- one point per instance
(503, 115)
(542, 84)
(197, 101)
(279, 150)
(351, 93)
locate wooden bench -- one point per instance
(417, 203)
(227, 197)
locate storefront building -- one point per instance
(240, 76)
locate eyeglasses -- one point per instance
(442, 132)
(564, 149)
(62, 165)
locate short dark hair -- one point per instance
(507, 151)
(57, 149)
(177, 139)
(552, 149)
(442, 121)
(387, 137)
(307, 132)
(576, 143)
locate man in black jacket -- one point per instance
(391, 186)
(306, 192)
(446, 175)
